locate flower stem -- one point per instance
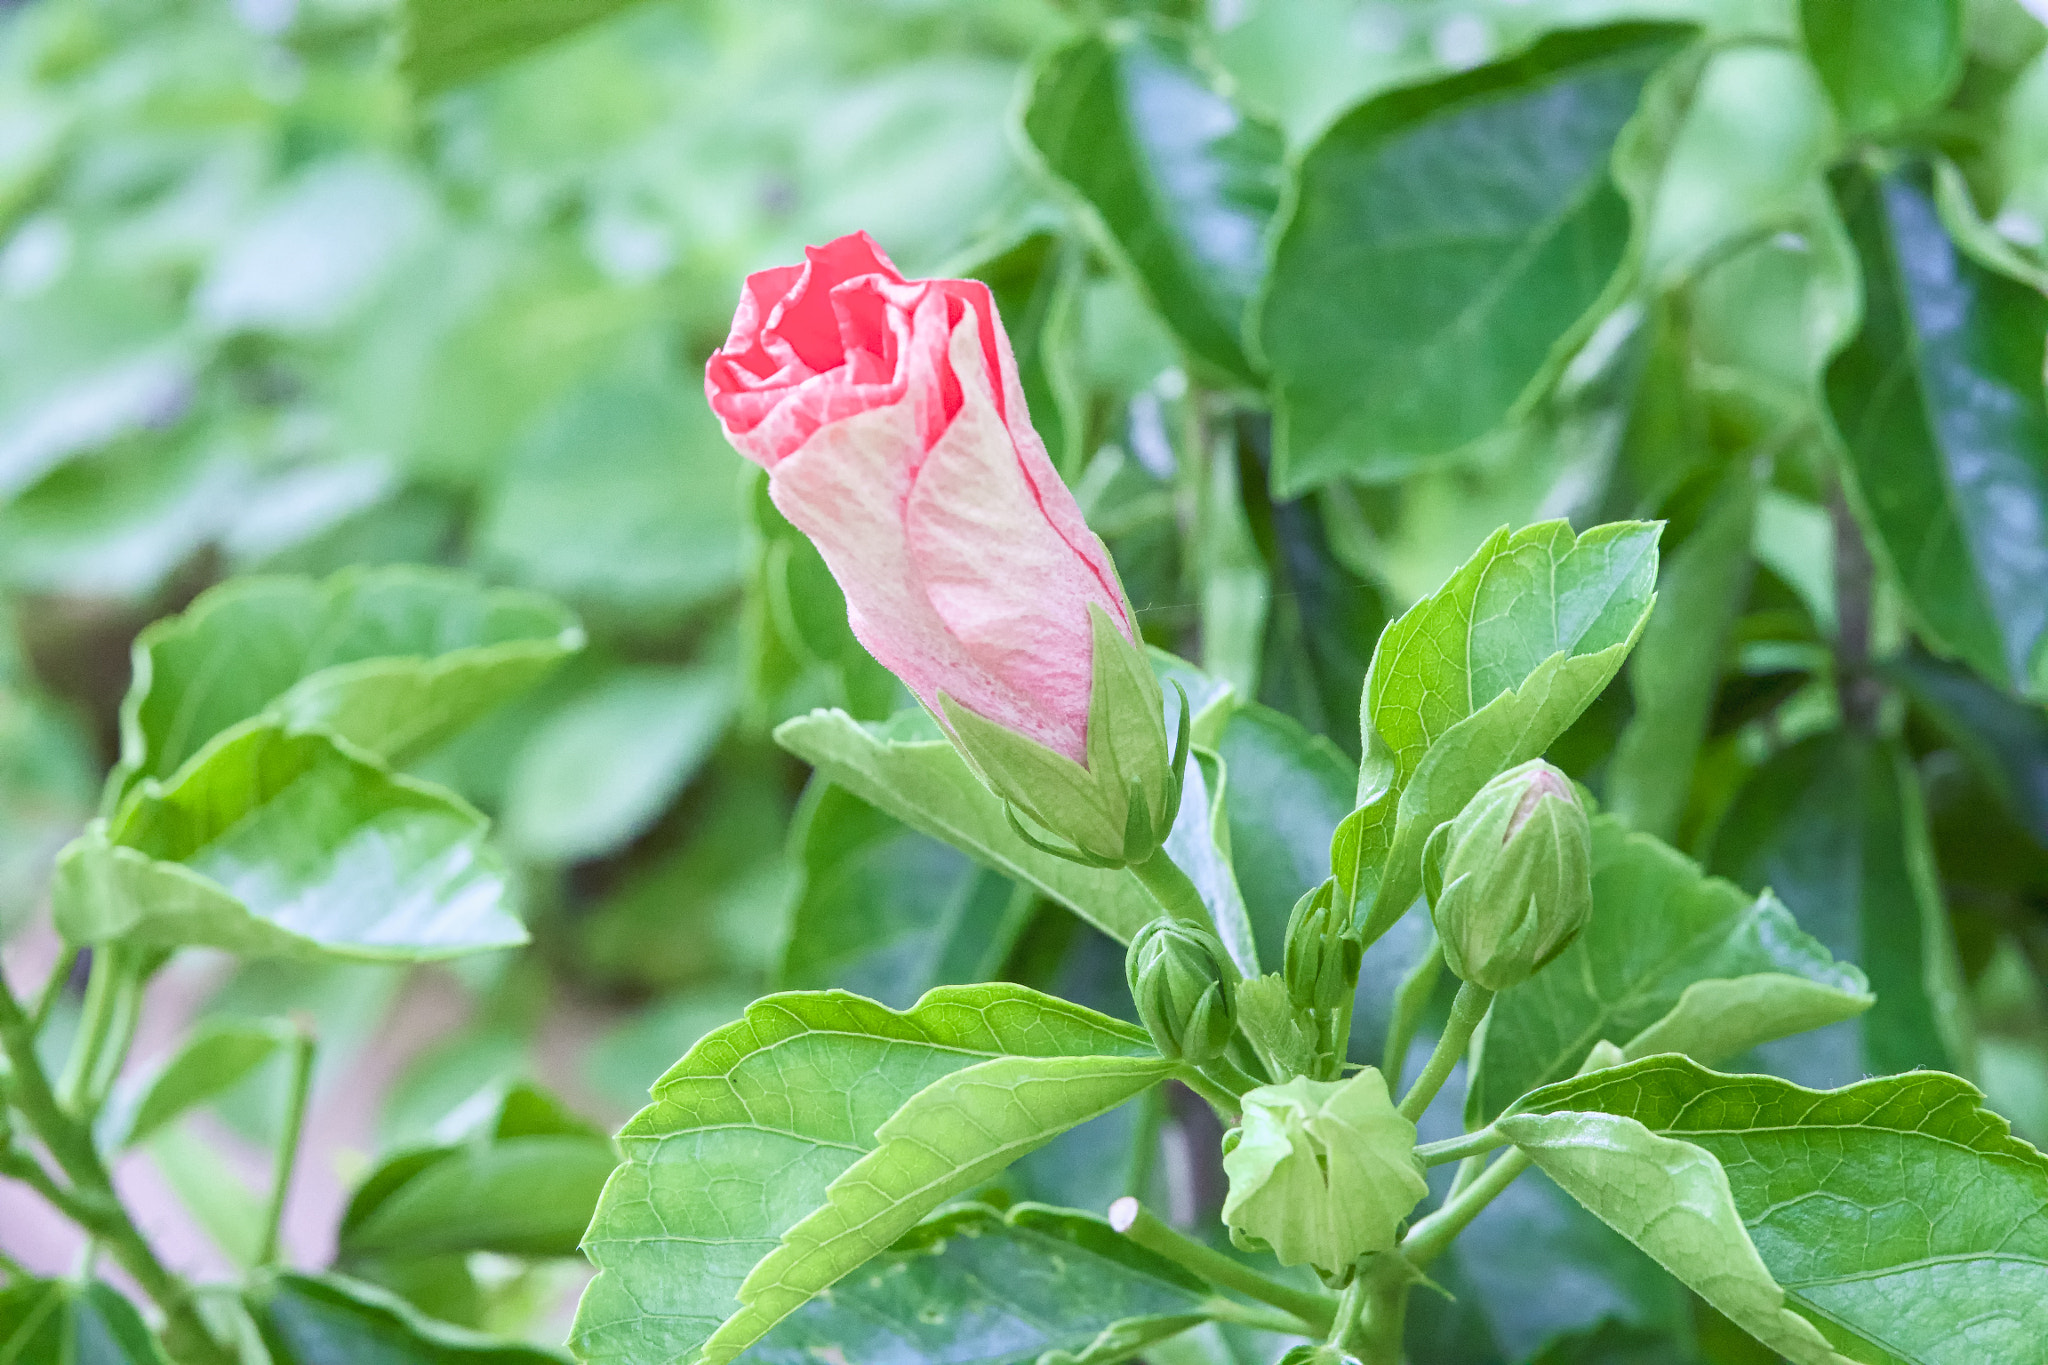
(288, 1143)
(1381, 1313)
(1316, 1311)
(1220, 1099)
(1466, 1011)
(53, 988)
(1458, 1148)
(1172, 888)
(1428, 1238)
(1411, 998)
(92, 1196)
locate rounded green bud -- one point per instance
(1510, 880)
(1322, 958)
(1185, 988)
(1321, 1172)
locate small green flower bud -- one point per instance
(1510, 881)
(1185, 988)
(1318, 1355)
(1322, 957)
(1321, 1172)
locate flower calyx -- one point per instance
(1185, 987)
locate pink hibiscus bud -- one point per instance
(891, 420)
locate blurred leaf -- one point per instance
(1182, 182)
(889, 913)
(623, 497)
(1836, 827)
(519, 1196)
(1479, 677)
(972, 1286)
(47, 778)
(2005, 738)
(1885, 62)
(448, 42)
(279, 844)
(332, 1320)
(1448, 247)
(601, 769)
(56, 1322)
(1287, 791)
(761, 1101)
(218, 1056)
(1671, 961)
(1235, 586)
(395, 660)
(924, 783)
(1940, 407)
(1957, 1255)
(1676, 667)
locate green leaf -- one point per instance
(271, 843)
(1939, 404)
(624, 499)
(971, 1286)
(1676, 668)
(1181, 182)
(600, 770)
(449, 42)
(1288, 791)
(1884, 62)
(331, 1320)
(1835, 826)
(521, 1196)
(395, 660)
(2004, 738)
(889, 913)
(793, 1145)
(1478, 677)
(56, 1322)
(219, 1055)
(1897, 1213)
(1446, 248)
(1671, 961)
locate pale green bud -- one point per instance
(1321, 1172)
(1318, 1355)
(1114, 809)
(1510, 880)
(1184, 986)
(1322, 958)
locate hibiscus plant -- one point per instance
(1526, 852)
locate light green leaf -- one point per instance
(1885, 62)
(1939, 404)
(1181, 181)
(972, 1286)
(1671, 961)
(332, 1320)
(749, 1152)
(601, 769)
(395, 660)
(1676, 668)
(1836, 827)
(887, 912)
(449, 42)
(1480, 676)
(219, 1055)
(530, 1195)
(271, 843)
(1897, 1213)
(1288, 791)
(55, 1322)
(1445, 249)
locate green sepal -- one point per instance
(1271, 1023)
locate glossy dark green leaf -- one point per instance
(279, 844)
(1939, 402)
(1884, 62)
(1182, 181)
(1447, 246)
(971, 1286)
(2006, 739)
(1836, 828)
(1897, 1213)
(1671, 961)
(889, 913)
(1287, 791)
(331, 1320)
(395, 660)
(55, 1322)
(789, 1148)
